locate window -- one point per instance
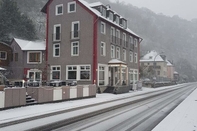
(135, 42)
(59, 9)
(124, 39)
(158, 72)
(75, 30)
(124, 54)
(75, 48)
(117, 37)
(112, 33)
(135, 57)
(103, 49)
(103, 27)
(131, 42)
(111, 16)
(112, 51)
(34, 57)
(16, 56)
(118, 52)
(78, 72)
(101, 75)
(3, 55)
(55, 72)
(84, 72)
(72, 72)
(71, 7)
(117, 19)
(57, 32)
(56, 50)
(104, 12)
(131, 56)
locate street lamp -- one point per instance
(154, 64)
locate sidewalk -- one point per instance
(182, 118)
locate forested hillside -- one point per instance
(173, 35)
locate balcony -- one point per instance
(56, 37)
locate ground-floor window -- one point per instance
(34, 75)
(78, 72)
(133, 75)
(101, 75)
(55, 72)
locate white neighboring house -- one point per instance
(28, 62)
(154, 62)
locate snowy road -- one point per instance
(136, 109)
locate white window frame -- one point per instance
(104, 12)
(118, 52)
(112, 34)
(113, 51)
(5, 55)
(34, 52)
(54, 50)
(72, 29)
(136, 58)
(124, 39)
(124, 53)
(103, 30)
(78, 72)
(117, 20)
(54, 32)
(103, 49)
(51, 76)
(111, 16)
(56, 9)
(69, 7)
(135, 42)
(131, 56)
(117, 36)
(67, 70)
(72, 48)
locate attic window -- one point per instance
(103, 11)
(111, 17)
(117, 19)
(150, 57)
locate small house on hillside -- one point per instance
(28, 59)
(155, 64)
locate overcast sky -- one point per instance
(186, 9)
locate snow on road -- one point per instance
(182, 118)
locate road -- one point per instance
(139, 112)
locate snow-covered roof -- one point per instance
(176, 72)
(169, 63)
(116, 61)
(96, 12)
(95, 4)
(151, 57)
(30, 45)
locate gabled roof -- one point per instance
(30, 45)
(96, 12)
(4, 43)
(169, 63)
(151, 57)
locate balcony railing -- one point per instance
(57, 37)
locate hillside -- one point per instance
(173, 35)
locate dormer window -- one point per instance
(117, 19)
(123, 23)
(104, 12)
(111, 16)
(150, 57)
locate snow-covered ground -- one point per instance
(183, 118)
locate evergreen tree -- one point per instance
(13, 23)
